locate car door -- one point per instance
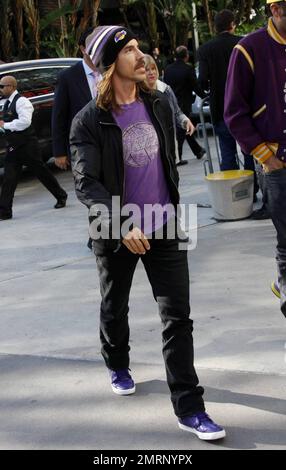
(37, 82)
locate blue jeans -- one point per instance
(275, 183)
(227, 146)
(228, 152)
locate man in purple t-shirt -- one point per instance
(143, 166)
(124, 147)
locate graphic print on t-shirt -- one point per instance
(141, 144)
(145, 184)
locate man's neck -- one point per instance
(124, 91)
(280, 30)
(12, 95)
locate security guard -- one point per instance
(22, 148)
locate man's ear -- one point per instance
(233, 25)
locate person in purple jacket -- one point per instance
(123, 147)
(255, 112)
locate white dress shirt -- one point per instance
(2, 102)
(93, 77)
(24, 109)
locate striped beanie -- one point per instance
(104, 44)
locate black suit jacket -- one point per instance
(182, 79)
(214, 58)
(71, 95)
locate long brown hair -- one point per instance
(105, 94)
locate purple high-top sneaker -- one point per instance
(122, 382)
(201, 425)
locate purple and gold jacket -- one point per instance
(255, 96)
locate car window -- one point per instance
(37, 81)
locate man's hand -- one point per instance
(272, 164)
(62, 162)
(1, 123)
(136, 242)
(190, 128)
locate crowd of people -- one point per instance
(115, 117)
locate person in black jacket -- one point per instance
(123, 159)
(22, 148)
(214, 57)
(76, 86)
(180, 76)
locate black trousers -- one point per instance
(29, 155)
(194, 145)
(167, 270)
(275, 183)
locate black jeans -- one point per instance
(29, 155)
(275, 182)
(167, 270)
(193, 144)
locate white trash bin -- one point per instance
(231, 193)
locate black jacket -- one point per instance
(182, 79)
(97, 158)
(214, 58)
(71, 95)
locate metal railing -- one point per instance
(202, 129)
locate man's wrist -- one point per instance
(262, 153)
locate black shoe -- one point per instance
(201, 154)
(61, 202)
(260, 214)
(182, 162)
(5, 216)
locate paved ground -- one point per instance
(54, 391)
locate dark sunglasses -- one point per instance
(2, 86)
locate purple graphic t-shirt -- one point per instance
(145, 182)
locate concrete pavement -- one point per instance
(55, 392)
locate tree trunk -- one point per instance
(208, 15)
(247, 9)
(152, 23)
(173, 33)
(241, 8)
(96, 5)
(64, 31)
(6, 36)
(18, 15)
(183, 32)
(33, 20)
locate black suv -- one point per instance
(36, 80)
